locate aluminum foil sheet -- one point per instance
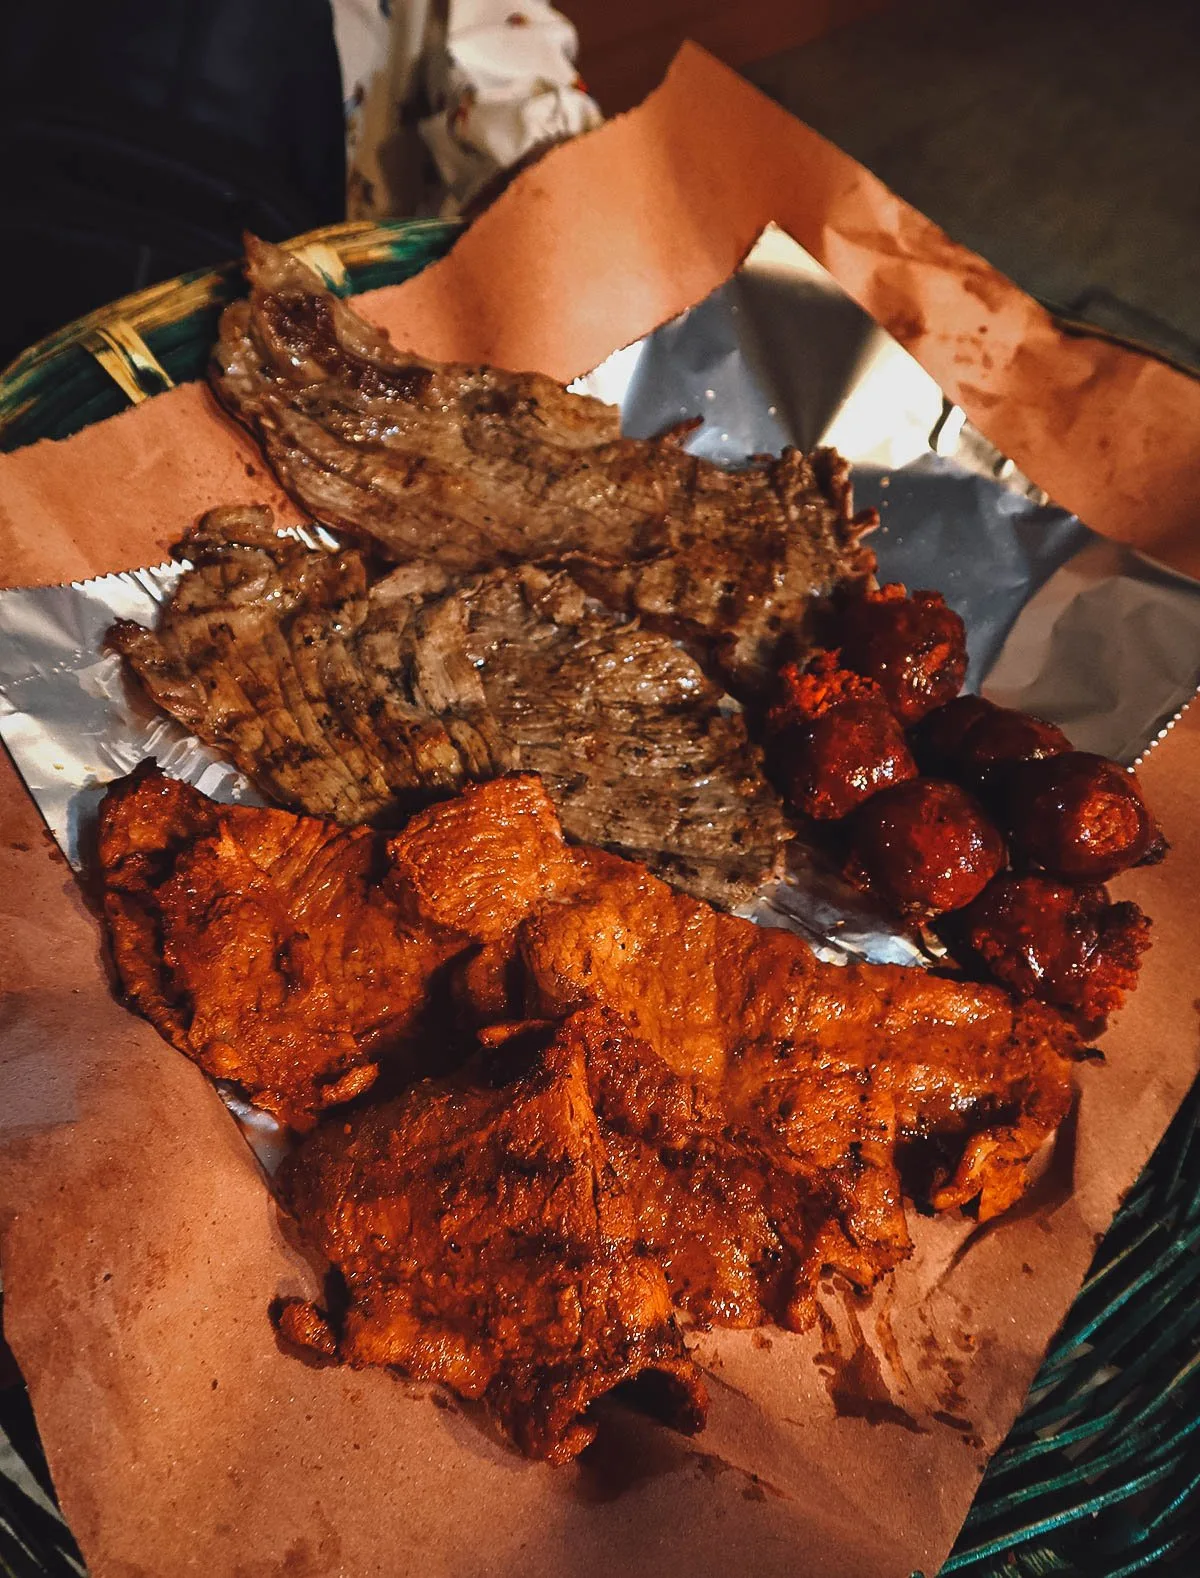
(1060, 621)
(70, 717)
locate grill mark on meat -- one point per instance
(303, 324)
(705, 1109)
(263, 945)
(360, 700)
(486, 1240)
(473, 467)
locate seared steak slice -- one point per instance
(284, 657)
(360, 700)
(745, 552)
(472, 467)
(640, 752)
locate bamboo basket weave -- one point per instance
(1100, 1476)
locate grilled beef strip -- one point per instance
(472, 467)
(360, 700)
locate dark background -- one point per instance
(141, 137)
(1059, 138)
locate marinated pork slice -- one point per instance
(765, 1113)
(472, 467)
(703, 1112)
(865, 1075)
(485, 1240)
(742, 1227)
(265, 946)
(357, 699)
(860, 1072)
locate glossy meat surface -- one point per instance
(263, 945)
(972, 741)
(911, 644)
(843, 1067)
(521, 1230)
(473, 467)
(1063, 943)
(835, 739)
(486, 1241)
(357, 697)
(346, 949)
(746, 1009)
(1077, 815)
(703, 1114)
(925, 846)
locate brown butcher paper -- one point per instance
(140, 1246)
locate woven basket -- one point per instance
(1100, 1476)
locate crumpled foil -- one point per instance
(1060, 621)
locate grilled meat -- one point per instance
(262, 944)
(1077, 815)
(485, 1240)
(640, 753)
(909, 643)
(472, 467)
(335, 945)
(850, 1069)
(737, 1209)
(1064, 943)
(288, 659)
(740, 1115)
(355, 699)
(835, 740)
(519, 1230)
(715, 995)
(925, 846)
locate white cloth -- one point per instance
(502, 83)
(497, 79)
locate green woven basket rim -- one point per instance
(57, 386)
(1100, 1476)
